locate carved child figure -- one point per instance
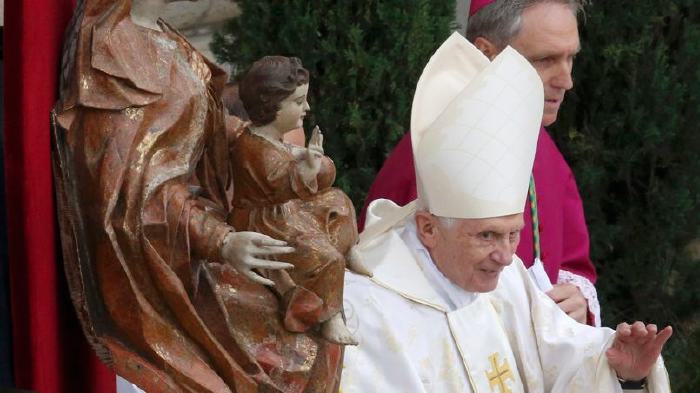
(284, 191)
(142, 167)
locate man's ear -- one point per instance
(486, 47)
(427, 229)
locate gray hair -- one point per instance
(500, 21)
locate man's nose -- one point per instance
(503, 254)
(562, 78)
(306, 106)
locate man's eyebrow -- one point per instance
(503, 230)
(490, 229)
(548, 53)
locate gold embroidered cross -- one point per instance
(499, 374)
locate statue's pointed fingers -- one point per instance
(270, 265)
(273, 250)
(264, 240)
(258, 278)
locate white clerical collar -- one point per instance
(454, 296)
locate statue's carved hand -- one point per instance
(246, 251)
(314, 151)
(311, 157)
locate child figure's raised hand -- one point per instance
(314, 152)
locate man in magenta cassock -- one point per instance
(546, 33)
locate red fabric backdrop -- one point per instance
(50, 353)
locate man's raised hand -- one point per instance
(636, 348)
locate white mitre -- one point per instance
(474, 128)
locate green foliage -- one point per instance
(364, 57)
(630, 131)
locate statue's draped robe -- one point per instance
(420, 333)
(144, 184)
(272, 197)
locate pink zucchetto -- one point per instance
(476, 5)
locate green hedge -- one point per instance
(631, 131)
(365, 58)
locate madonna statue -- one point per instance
(166, 289)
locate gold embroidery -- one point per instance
(499, 374)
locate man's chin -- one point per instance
(486, 288)
(486, 285)
(549, 118)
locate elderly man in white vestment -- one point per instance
(449, 307)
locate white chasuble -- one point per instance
(484, 348)
(418, 332)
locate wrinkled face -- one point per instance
(292, 110)
(472, 253)
(549, 40)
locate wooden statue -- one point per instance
(285, 191)
(161, 282)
